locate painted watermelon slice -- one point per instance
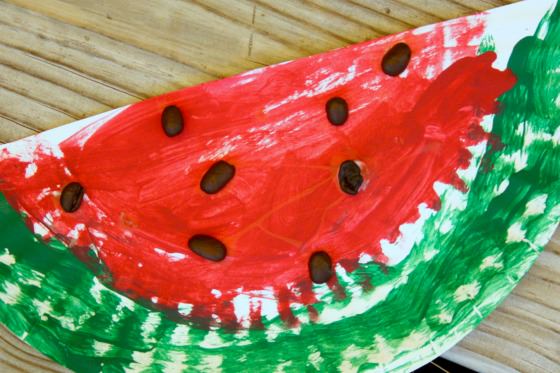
(359, 209)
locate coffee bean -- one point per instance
(396, 59)
(349, 177)
(320, 267)
(217, 177)
(208, 247)
(71, 197)
(172, 121)
(337, 111)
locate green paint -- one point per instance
(475, 249)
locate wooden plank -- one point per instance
(66, 59)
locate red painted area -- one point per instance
(142, 187)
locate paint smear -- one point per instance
(284, 203)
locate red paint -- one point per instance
(366, 285)
(312, 313)
(284, 202)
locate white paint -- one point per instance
(242, 308)
(347, 367)
(487, 123)
(446, 226)
(212, 363)
(44, 192)
(529, 136)
(268, 303)
(124, 302)
(509, 25)
(379, 352)
(365, 258)
(424, 29)
(372, 85)
(30, 170)
(75, 233)
(515, 233)
(455, 199)
(468, 174)
(40, 230)
(281, 368)
(272, 332)
(341, 274)
(467, 292)
(10, 293)
(176, 362)
(101, 348)
(359, 305)
(149, 326)
(228, 145)
(184, 309)
(447, 59)
(96, 289)
(246, 300)
(448, 40)
(414, 340)
(445, 318)
(98, 234)
(492, 261)
(66, 322)
(7, 258)
(430, 254)
(411, 233)
(556, 137)
(180, 336)
(536, 206)
(49, 217)
(518, 158)
(332, 81)
(244, 81)
(501, 188)
(265, 143)
(43, 308)
(172, 257)
(315, 360)
(430, 72)
(142, 361)
(242, 336)
(27, 149)
(34, 278)
(213, 340)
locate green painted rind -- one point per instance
(474, 251)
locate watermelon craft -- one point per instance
(362, 209)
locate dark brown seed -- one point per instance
(337, 111)
(396, 59)
(350, 177)
(217, 177)
(320, 267)
(172, 121)
(208, 247)
(71, 197)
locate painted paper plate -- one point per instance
(362, 209)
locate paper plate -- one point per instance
(363, 209)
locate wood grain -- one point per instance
(61, 60)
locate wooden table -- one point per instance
(62, 60)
